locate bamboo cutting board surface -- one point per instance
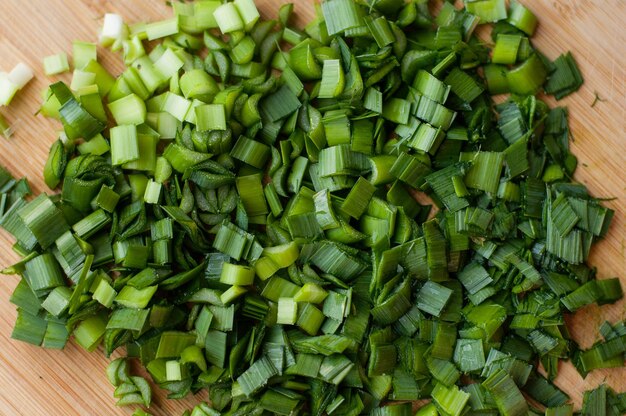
(34, 381)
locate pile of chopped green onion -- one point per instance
(237, 213)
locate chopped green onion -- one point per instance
(124, 144)
(358, 198)
(161, 29)
(527, 77)
(210, 117)
(55, 64)
(89, 333)
(228, 18)
(565, 78)
(333, 79)
(128, 110)
(83, 53)
(341, 15)
(307, 179)
(505, 51)
(506, 395)
(450, 399)
(522, 18)
(287, 311)
(488, 10)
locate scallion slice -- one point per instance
(55, 64)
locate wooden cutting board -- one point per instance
(34, 381)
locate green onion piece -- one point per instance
(44, 220)
(152, 193)
(57, 300)
(168, 64)
(528, 77)
(177, 106)
(373, 100)
(233, 274)
(433, 297)
(157, 30)
(463, 85)
(81, 79)
(83, 53)
(243, 52)
(273, 199)
(333, 79)
(381, 169)
(427, 138)
(469, 355)
(303, 226)
(20, 75)
(131, 319)
(341, 15)
(55, 165)
(279, 104)
(429, 86)
(496, 77)
(231, 240)
(362, 136)
(251, 193)
(336, 127)
(358, 198)
(505, 393)
(265, 268)
(381, 31)
(210, 117)
(488, 10)
(96, 146)
(104, 294)
(89, 333)
(77, 122)
(436, 114)
(29, 328)
(182, 158)
(397, 110)
(128, 110)
(565, 78)
(130, 297)
(56, 64)
(8, 89)
(296, 176)
(124, 144)
(251, 152)
(309, 318)
(90, 99)
(173, 370)
(104, 80)
(91, 224)
(485, 170)
(450, 399)
(256, 376)
(311, 293)
(505, 51)
(522, 18)
(427, 410)
(248, 12)
(197, 84)
(324, 211)
(228, 18)
(287, 311)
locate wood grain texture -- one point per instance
(34, 381)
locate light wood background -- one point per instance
(34, 381)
